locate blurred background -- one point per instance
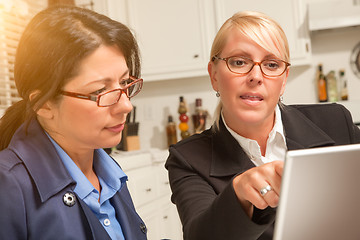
(175, 39)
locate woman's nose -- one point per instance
(123, 105)
(255, 76)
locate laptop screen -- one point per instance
(320, 194)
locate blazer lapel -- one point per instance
(41, 160)
(132, 225)
(97, 230)
(48, 172)
(300, 132)
(228, 158)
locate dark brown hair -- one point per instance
(50, 51)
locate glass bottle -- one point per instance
(343, 81)
(199, 118)
(332, 86)
(183, 126)
(171, 131)
(321, 84)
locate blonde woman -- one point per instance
(226, 181)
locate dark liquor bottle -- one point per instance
(171, 131)
(199, 118)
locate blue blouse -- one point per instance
(111, 179)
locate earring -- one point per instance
(217, 94)
(281, 98)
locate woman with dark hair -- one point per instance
(75, 71)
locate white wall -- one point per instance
(159, 99)
(333, 49)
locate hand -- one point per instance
(247, 186)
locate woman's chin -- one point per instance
(112, 143)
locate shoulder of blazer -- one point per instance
(203, 136)
(8, 159)
(326, 108)
(315, 125)
(321, 113)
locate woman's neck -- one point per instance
(85, 163)
(258, 132)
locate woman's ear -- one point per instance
(212, 74)
(44, 111)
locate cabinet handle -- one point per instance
(148, 190)
(196, 55)
(165, 217)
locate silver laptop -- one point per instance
(320, 195)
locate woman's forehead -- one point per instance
(237, 41)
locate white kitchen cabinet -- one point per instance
(99, 6)
(174, 36)
(169, 220)
(333, 14)
(161, 219)
(150, 190)
(290, 14)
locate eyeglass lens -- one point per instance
(113, 96)
(244, 65)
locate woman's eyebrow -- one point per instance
(125, 73)
(239, 53)
(102, 80)
(271, 56)
(107, 79)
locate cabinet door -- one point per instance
(163, 180)
(169, 220)
(151, 215)
(99, 6)
(290, 14)
(143, 185)
(173, 36)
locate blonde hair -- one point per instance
(260, 28)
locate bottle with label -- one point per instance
(321, 84)
(343, 84)
(332, 86)
(199, 118)
(171, 131)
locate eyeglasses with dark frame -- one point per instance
(243, 65)
(111, 97)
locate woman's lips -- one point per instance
(252, 97)
(116, 129)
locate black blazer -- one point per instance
(201, 169)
